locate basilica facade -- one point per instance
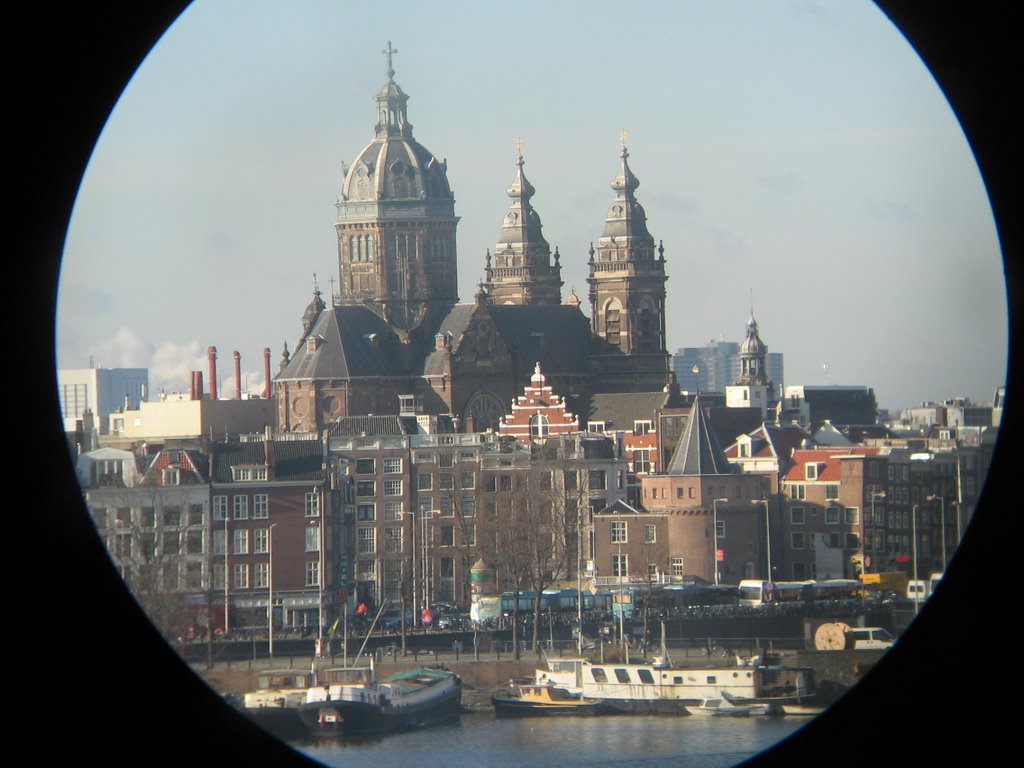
(395, 339)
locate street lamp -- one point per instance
(319, 496)
(226, 575)
(942, 521)
(874, 518)
(913, 557)
(767, 537)
(714, 536)
(270, 588)
(412, 547)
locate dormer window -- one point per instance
(250, 472)
(313, 343)
(811, 472)
(596, 427)
(641, 427)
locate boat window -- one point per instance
(645, 676)
(599, 675)
(677, 680)
(622, 675)
(712, 679)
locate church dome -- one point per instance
(394, 166)
(752, 344)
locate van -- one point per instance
(871, 638)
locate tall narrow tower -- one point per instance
(627, 278)
(521, 271)
(396, 222)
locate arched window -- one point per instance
(538, 426)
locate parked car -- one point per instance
(871, 638)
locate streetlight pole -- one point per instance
(913, 557)
(767, 538)
(714, 536)
(226, 575)
(270, 588)
(319, 491)
(875, 494)
(942, 522)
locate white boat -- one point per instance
(274, 705)
(664, 688)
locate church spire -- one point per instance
(627, 281)
(522, 272)
(392, 119)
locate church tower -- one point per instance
(396, 223)
(752, 390)
(521, 272)
(627, 278)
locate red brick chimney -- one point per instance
(238, 375)
(211, 356)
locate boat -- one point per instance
(274, 705)
(355, 702)
(659, 687)
(529, 699)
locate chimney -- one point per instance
(211, 356)
(266, 372)
(238, 375)
(199, 384)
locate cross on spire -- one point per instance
(387, 52)
(519, 146)
(622, 137)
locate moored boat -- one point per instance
(662, 688)
(274, 705)
(358, 703)
(534, 699)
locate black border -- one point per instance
(84, 626)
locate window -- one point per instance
(444, 460)
(797, 491)
(538, 426)
(468, 506)
(649, 533)
(641, 427)
(811, 472)
(446, 481)
(195, 514)
(218, 575)
(194, 542)
(642, 460)
(393, 540)
(447, 507)
(425, 482)
(618, 531)
(392, 465)
(677, 566)
(218, 542)
(366, 466)
(312, 573)
(241, 542)
(312, 538)
(220, 507)
(392, 487)
(260, 506)
(832, 515)
(796, 515)
(831, 491)
(467, 481)
(797, 539)
(366, 541)
(241, 507)
(622, 675)
(595, 426)
(261, 541)
(645, 676)
(852, 516)
(393, 510)
(597, 480)
(447, 535)
(719, 529)
(366, 512)
(171, 517)
(422, 457)
(312, 504)
(261, 575)
(366, 488)
(852, 541)
(469, 535)
(241, 576)
(599, 675)
(620, 565)
(652, 570)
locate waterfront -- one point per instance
(481, 739)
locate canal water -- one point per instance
(480, 739)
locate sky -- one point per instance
(796, 158)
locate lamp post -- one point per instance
(319, 491)
(714, 536)
(270, 588)
(942, 522)
(767, 538)
(913, 557)
(411, 514)
(226, 575)
(874, 518)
